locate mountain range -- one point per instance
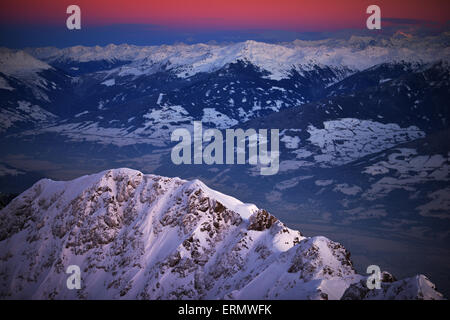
(364, 136)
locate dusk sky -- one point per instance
(31, 22)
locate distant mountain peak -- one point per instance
(356, 53)
(18, 63)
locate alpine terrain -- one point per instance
(137, 236)
(364, 158)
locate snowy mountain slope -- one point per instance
(79, 60)
(149, 108)
(19, 63)
(356, 53)
(412, 41)
(31, 91)
(347, 126)
(24, 113)
(16, 65)
(372, 77)
(410, 96)
(110, 90)
(239, 80)
(138, 236)
(185, 61)
(111, 52)
(414, 288)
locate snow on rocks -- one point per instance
(137, 236)
(18, 63)
(187, 60)
(220, 120)
(25, 111)
(414, 288)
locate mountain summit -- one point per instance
(137, 236)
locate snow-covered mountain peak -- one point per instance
(188, 60)
(245, 210)
(138, 236)
(18, 63)
(279, 60)
(415, 288)
(356, 53)
(111, 52)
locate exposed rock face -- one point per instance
(137, 236)
(261, 221)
